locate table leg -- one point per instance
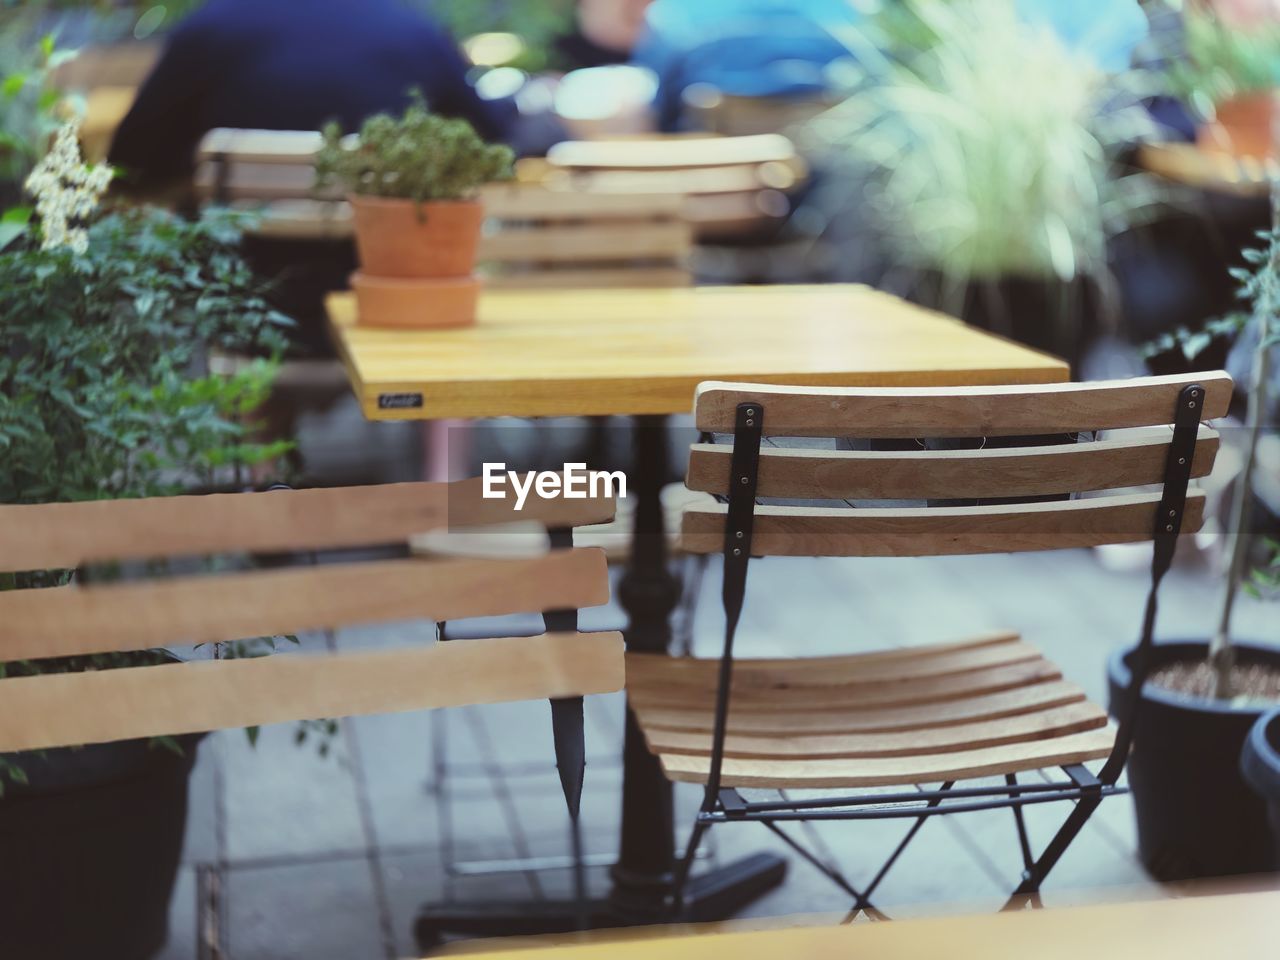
(649, 593)
(642, 876)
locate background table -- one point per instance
(641, 352)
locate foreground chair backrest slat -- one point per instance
(947, 470)
(60, 535)
(90, 616)
(105, 705)
(935, 531)
(937, 474)
(76, 620)
(985, 411)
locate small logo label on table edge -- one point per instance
(399, 401)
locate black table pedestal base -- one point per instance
(714, 895)
(641, 879)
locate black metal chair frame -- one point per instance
(726, 805)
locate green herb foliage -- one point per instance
(418, 156)
(103, 391)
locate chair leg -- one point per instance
(1028, 890)
(683, 869)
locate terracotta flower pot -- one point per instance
(403, 238)
(1245, 127)
(424, 303)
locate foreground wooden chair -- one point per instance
(81, 618)
(989, 706)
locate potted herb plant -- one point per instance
(412, 185)
(103, 323)
(1230, 75)
(1196, 815)
(987, 153)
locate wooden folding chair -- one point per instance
(62, 709)
(991, 706)
(734, 187)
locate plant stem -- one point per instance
(1221, 652)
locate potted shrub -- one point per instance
(1196, 815)
(985, 157)
(1230, 75)
(412, 185)
(103, 323)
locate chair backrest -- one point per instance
(57, 709)
(983, 419)
(543, 238)
(534, 237)
(734, 186)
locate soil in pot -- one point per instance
(91, 849)
(403, 238)
(1196, 815)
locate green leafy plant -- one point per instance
(1191, 343)
(104, 326)
(1260, 288)
(27, 102)
(418, 156)
(988, 148)
(1223, 61)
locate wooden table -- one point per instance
(580, 352)
(640, 353)
(1243, 926)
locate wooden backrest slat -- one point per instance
(57, 535)
(671, 152)
(800, 473)
(533, 202)
(602, 277)
(62, 621)
(937, 531)
(985, 411)
(102, 706)
(641, 240)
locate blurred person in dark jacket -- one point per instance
(291, 65)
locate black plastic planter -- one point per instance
(91, 850)
(1196, 815)
(1260, 764)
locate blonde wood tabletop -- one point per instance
(643, 351)
(1241, 925)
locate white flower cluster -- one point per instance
(67, 191)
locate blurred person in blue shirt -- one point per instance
(778, 48)
(290, 65)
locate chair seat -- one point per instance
(976, 708)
